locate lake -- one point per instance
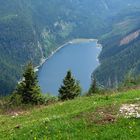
(80, 58)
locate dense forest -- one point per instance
(120, 54)
(30, 30)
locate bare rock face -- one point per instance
(130, 38)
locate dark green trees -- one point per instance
(93, 88)
(28, 88)
(70, 88)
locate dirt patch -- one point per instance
(130, 110)
(17, 113)
(102, 115)
(106, 119)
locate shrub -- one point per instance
(48, 99)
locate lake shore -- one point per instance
(74, 41)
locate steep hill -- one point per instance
(101, 117)
(120, 54)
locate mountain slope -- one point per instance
(120, 54)
(98, 117)
(18, 43)
(30, 30)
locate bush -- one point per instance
(15, 99)
(48, 99)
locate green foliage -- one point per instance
(70, 88)
(49, 99)
(28, 89)
(93, 88)
(130, 81)
(116, 59)
(15, 100)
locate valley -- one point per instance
(69, 69)
(32, 30)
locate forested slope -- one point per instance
(120, 54)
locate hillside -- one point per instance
(101, 117)
(30, 30)
(120, 53)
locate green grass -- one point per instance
(84, 118)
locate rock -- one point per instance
(130, 110)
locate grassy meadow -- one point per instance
(85, 118)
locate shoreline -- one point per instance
(74, 41)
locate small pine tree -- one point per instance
(70, 88)
(93, 88)
(28, 88)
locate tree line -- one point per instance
(29, 92)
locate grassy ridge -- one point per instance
(83, 118)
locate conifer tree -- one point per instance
(70, 88)
(28, 88)
(93, 88)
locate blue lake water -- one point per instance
(80, 58)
